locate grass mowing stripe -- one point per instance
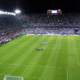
(74, 69)
(24, 48)
(8, 49)
(30, 57)
(13, 43)
(41, 62)
(24, 59)
(78, 48)
(49, 68)
(61, 62)
(13, 51)
(29, 52)
(6, 67)
(4, 62)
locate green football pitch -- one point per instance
(41, 58)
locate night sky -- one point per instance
(40, 6)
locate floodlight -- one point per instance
(17, 11)
(7, 13)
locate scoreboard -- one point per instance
(54, 12)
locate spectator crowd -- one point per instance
(14, 26)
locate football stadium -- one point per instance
(39, 44)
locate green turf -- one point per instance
(59, 59)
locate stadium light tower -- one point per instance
(17, 11)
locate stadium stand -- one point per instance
(14, 26)
(42, 24)
(10, 28)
